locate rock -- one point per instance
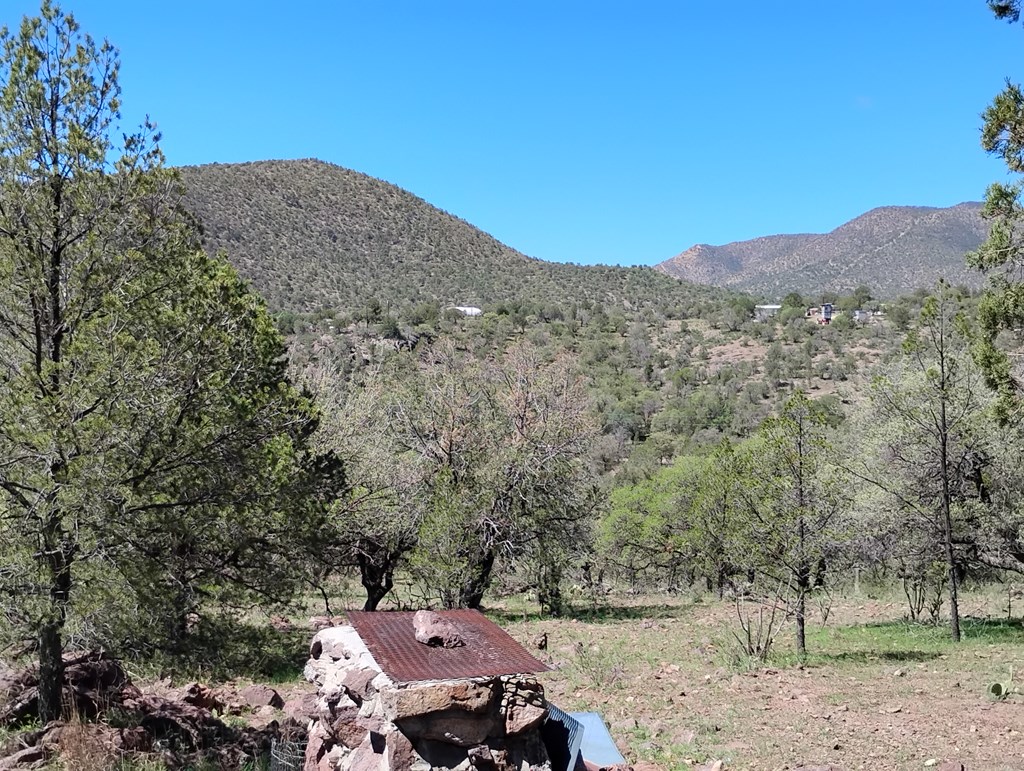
(381, 681)
(259, 695)
(318, 742)
(332, 689)
(301, 708)
(371, 722)
(436, 631)
(358, 682)
(952, 765)
(480, 755)
(459, 695)
(712, 765)
(263, 717)
(523, 717)
(453, 726)
(350, 733)
(363, 759)
(931, 762)
(202, 696)
(333, 759)
(540, 642)
(316, 670)
(333, 642)
(398, 751)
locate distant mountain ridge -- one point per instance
(310, 235)
(891, 249)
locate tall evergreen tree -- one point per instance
(147, 432)
(1001, 255)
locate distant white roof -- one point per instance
(469, 310)
(769, 307)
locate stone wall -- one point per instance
(364, 721)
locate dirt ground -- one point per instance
(876, 692)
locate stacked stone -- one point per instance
(366, 722)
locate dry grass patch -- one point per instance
(876, 691)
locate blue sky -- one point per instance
(614, 132)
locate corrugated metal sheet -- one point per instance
(488, 650)
(563, 738)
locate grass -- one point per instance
(663, 670)
(873, 688)
(226, 648)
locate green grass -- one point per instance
(228, 649)
(906, 642)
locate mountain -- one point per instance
(893, 250)
(310, 235)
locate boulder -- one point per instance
(520, 718)
(358, 682)
(363, 758)
(398, 751)
(201, 696)
(456, 695)
(435, 630)
(350, 733)
(318, 742)
(301, 708)
(258, 695)
(340, 644)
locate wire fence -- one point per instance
(287, 755)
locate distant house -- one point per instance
(765, 312)
(862, 316)
(469, 310)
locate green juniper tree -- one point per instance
(929, 438)
(1001, 255)
(150, 446)
(793, 518)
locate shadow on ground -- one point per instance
(874, 657)
(224, 649)
(596, 615)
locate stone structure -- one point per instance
(365, 721)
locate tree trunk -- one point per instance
(947, 516)
(954, 601)
(51, 647)
(376, 573)
(471, 593)
(801, 624)
(51, 671)
(549, 588)
(803, 585)
(820, 571)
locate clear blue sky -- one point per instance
(616, 132)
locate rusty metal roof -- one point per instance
(488, 650)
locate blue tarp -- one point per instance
(598, 747)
